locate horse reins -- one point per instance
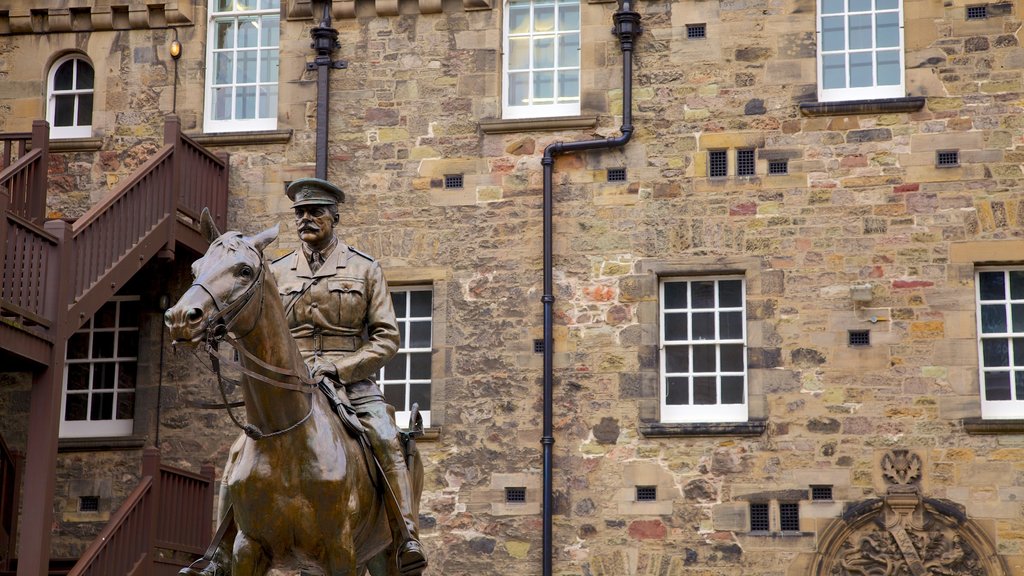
(217, 329)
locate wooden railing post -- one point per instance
(209, 472)
(37, 198)
(172, 136)
(222, 195)
(5, 202)
(151, 468)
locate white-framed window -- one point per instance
(69, 101)
(703, 350)
(100, 371)
(860, 50)
(406, 379)
(242, 65)
(541, 59)
(1000, 294)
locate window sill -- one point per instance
(101, 444)
(500, 126)
(75, 144)
(243, 138)
(659, 430)
(979, 426)
(881, 106)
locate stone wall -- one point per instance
(863, 206)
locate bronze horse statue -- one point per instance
(301, 487)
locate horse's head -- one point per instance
(226, 278)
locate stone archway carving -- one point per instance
(905, 533)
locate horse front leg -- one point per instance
(341, 561)
(250, 559)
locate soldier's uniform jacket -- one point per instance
(342, 313)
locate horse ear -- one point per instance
(263, 239)
(207, 226)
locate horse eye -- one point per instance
(245, 272)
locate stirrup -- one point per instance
(211, 569)
(411, 561)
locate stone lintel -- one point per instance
(88, 17)
(500, 126)
(881, 106)
(979, 426)
(661, 430)
(243, 138)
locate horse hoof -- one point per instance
(411, 561)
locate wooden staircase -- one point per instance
(56, 275)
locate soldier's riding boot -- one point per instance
(411, 560)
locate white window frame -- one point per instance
(107, 427)
(76, 130)
(1014, 407)
(234, 124)
(873, 92)
(570, 107)
(702, 413)
(402, 413)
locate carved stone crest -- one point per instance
(901, 467)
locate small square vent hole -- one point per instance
(860, 338)
(646, 493)
(515, 495)
(616, 174)
(88, 503)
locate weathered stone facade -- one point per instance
(863, 232)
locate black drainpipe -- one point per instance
(627, 28)
(325, 42)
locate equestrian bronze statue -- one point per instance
(320, 478)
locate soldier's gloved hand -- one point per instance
(322, 369)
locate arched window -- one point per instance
(69, 98)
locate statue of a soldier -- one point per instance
(339, 311)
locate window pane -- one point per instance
(395, 368)
(730, 325)
(860, 70)
(224, 5)
(223, 35)
(887, 33)
(269, 66)
(569, 50)
(75, 407)
(268, 101)
(398, 301)
(993, 318)
(394, 394)
(995, 353)
(568, 17)
(271, 31)
(675, 294)
(543, 18)
(222, 103)
(518, 53)
(419, 366)
(519, 19)
(833, 34)
(544, 52)
(129, 314)
(403, 340)
(64, 111)
(732, 390)
(245, 102)
(704, 326)
(270, 4)
(78, 345)
(85, 75)
(102, 406)
(888, 67)
(993, 285)
(419, 394)
(84, 110)
(78, 376)
(1018, 384)
(63, 78)
(106, 317)
(1018, 317)
(125, 405)
(676, 326)
(833, 68)
(886, 4)
(1018, 352)
(103, 376)
(704, 358)
(421, 303)
(126, 375)
(127, 344)
(703, 294)
(860, 32)
(568, 85)
(1017, 284)
(677, 391)
(832, 6)
(518, 89)
(860, 5)
(419, 334)
(997, 386)
(677, 359)
(224, 64)
(730, 293)
(103, 345)
(248, 33)
(732, 357)
(705, 390)
(544, 86)
(246, 69)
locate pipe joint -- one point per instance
(547, 299)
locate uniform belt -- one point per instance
(321, 343)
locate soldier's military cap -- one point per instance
(309, 191)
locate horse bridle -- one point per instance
(217, 329)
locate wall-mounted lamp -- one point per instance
(175, 49)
